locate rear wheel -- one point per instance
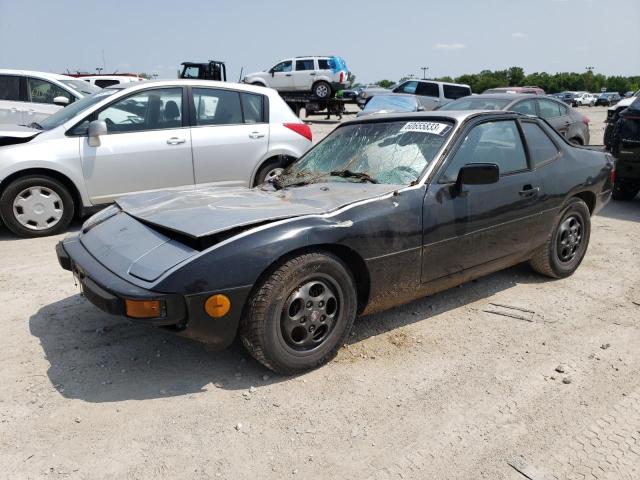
(625, 191)
(567, 244)
(301, 314)
(322, 89)
(36, 206)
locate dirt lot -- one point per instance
(437, 389)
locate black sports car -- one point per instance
(386, 209)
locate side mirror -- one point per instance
(96, 128)
(476, 174)
(421, 108)
(62, 101)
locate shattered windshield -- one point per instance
(391, 152)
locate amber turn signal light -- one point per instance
(143, 308)
(217, 305)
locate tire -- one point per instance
(56, 201)
(270, 169)
(555, 262)
(321, 89)
(280, 330)
(624, 191)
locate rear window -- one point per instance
(324, 64)
(106, 83)
(252, 107)
(306, 64)
(9, 87)
(476, 103)
(454, 91)
(428, 89)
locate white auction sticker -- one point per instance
(425, 127)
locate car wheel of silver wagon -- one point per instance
(301, 314)
(322, 89)
(567, 244)
(270, 170)
(36, 206)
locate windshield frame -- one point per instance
(423, 176)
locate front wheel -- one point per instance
(36, 206)
(322, 89)
(301, 314)
(567, 244)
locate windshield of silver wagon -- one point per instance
(393, 152)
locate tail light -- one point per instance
(585, 120)
(341, 77)
(612, 175)
(301, 129)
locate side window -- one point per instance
(454, 91)
(217, 107)
(528, 107)
(490, 142)
(41, 91)
(428, 89)
(323, 64)
(150, 110)
(252, 107)
(306, 64)
(541, 147)
(9, 87)
(106, 83)
(549, 109)
(407, 87)
(283, 66)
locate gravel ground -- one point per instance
(436, 389)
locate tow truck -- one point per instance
(217, 70)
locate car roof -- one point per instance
(504, 96)
(426, 80)
(244, 87)
(33, 73)
(457, 116)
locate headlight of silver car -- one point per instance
(100, 217)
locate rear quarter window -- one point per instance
(428, 89)
(9, 87)
(541, 148)
(454, 92)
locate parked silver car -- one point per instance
(148, 136)
(27, 97)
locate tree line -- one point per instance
(550, 83)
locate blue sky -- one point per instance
(378, 39)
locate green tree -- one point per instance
(515, 76)
(385, 83)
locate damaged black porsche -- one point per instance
(386, 209)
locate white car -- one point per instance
(27, 97)
(146, 136)
(104, 81)
(585, 99)
(321, 76)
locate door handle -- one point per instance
(13, 110)
(529, 191)
(288, 75)
(312, 73)
(175, 141)
(255, 135)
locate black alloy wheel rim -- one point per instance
(569, 238)
(310, 314)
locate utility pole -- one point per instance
(589, 69)
(99, 69)
(424, 72)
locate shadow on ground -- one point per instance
(98, 358)
(622, 210)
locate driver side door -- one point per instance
(282, 76)
(482, 223)
(147, 147)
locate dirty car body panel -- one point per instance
(400, 241)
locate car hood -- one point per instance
(11, 134)
(203, 212)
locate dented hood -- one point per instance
(203, 212)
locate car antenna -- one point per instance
(240, 77)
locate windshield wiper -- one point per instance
(35, 125)
(279, 183)
(351, 174)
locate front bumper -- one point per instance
(182, 314)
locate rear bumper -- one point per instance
(182, 314)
